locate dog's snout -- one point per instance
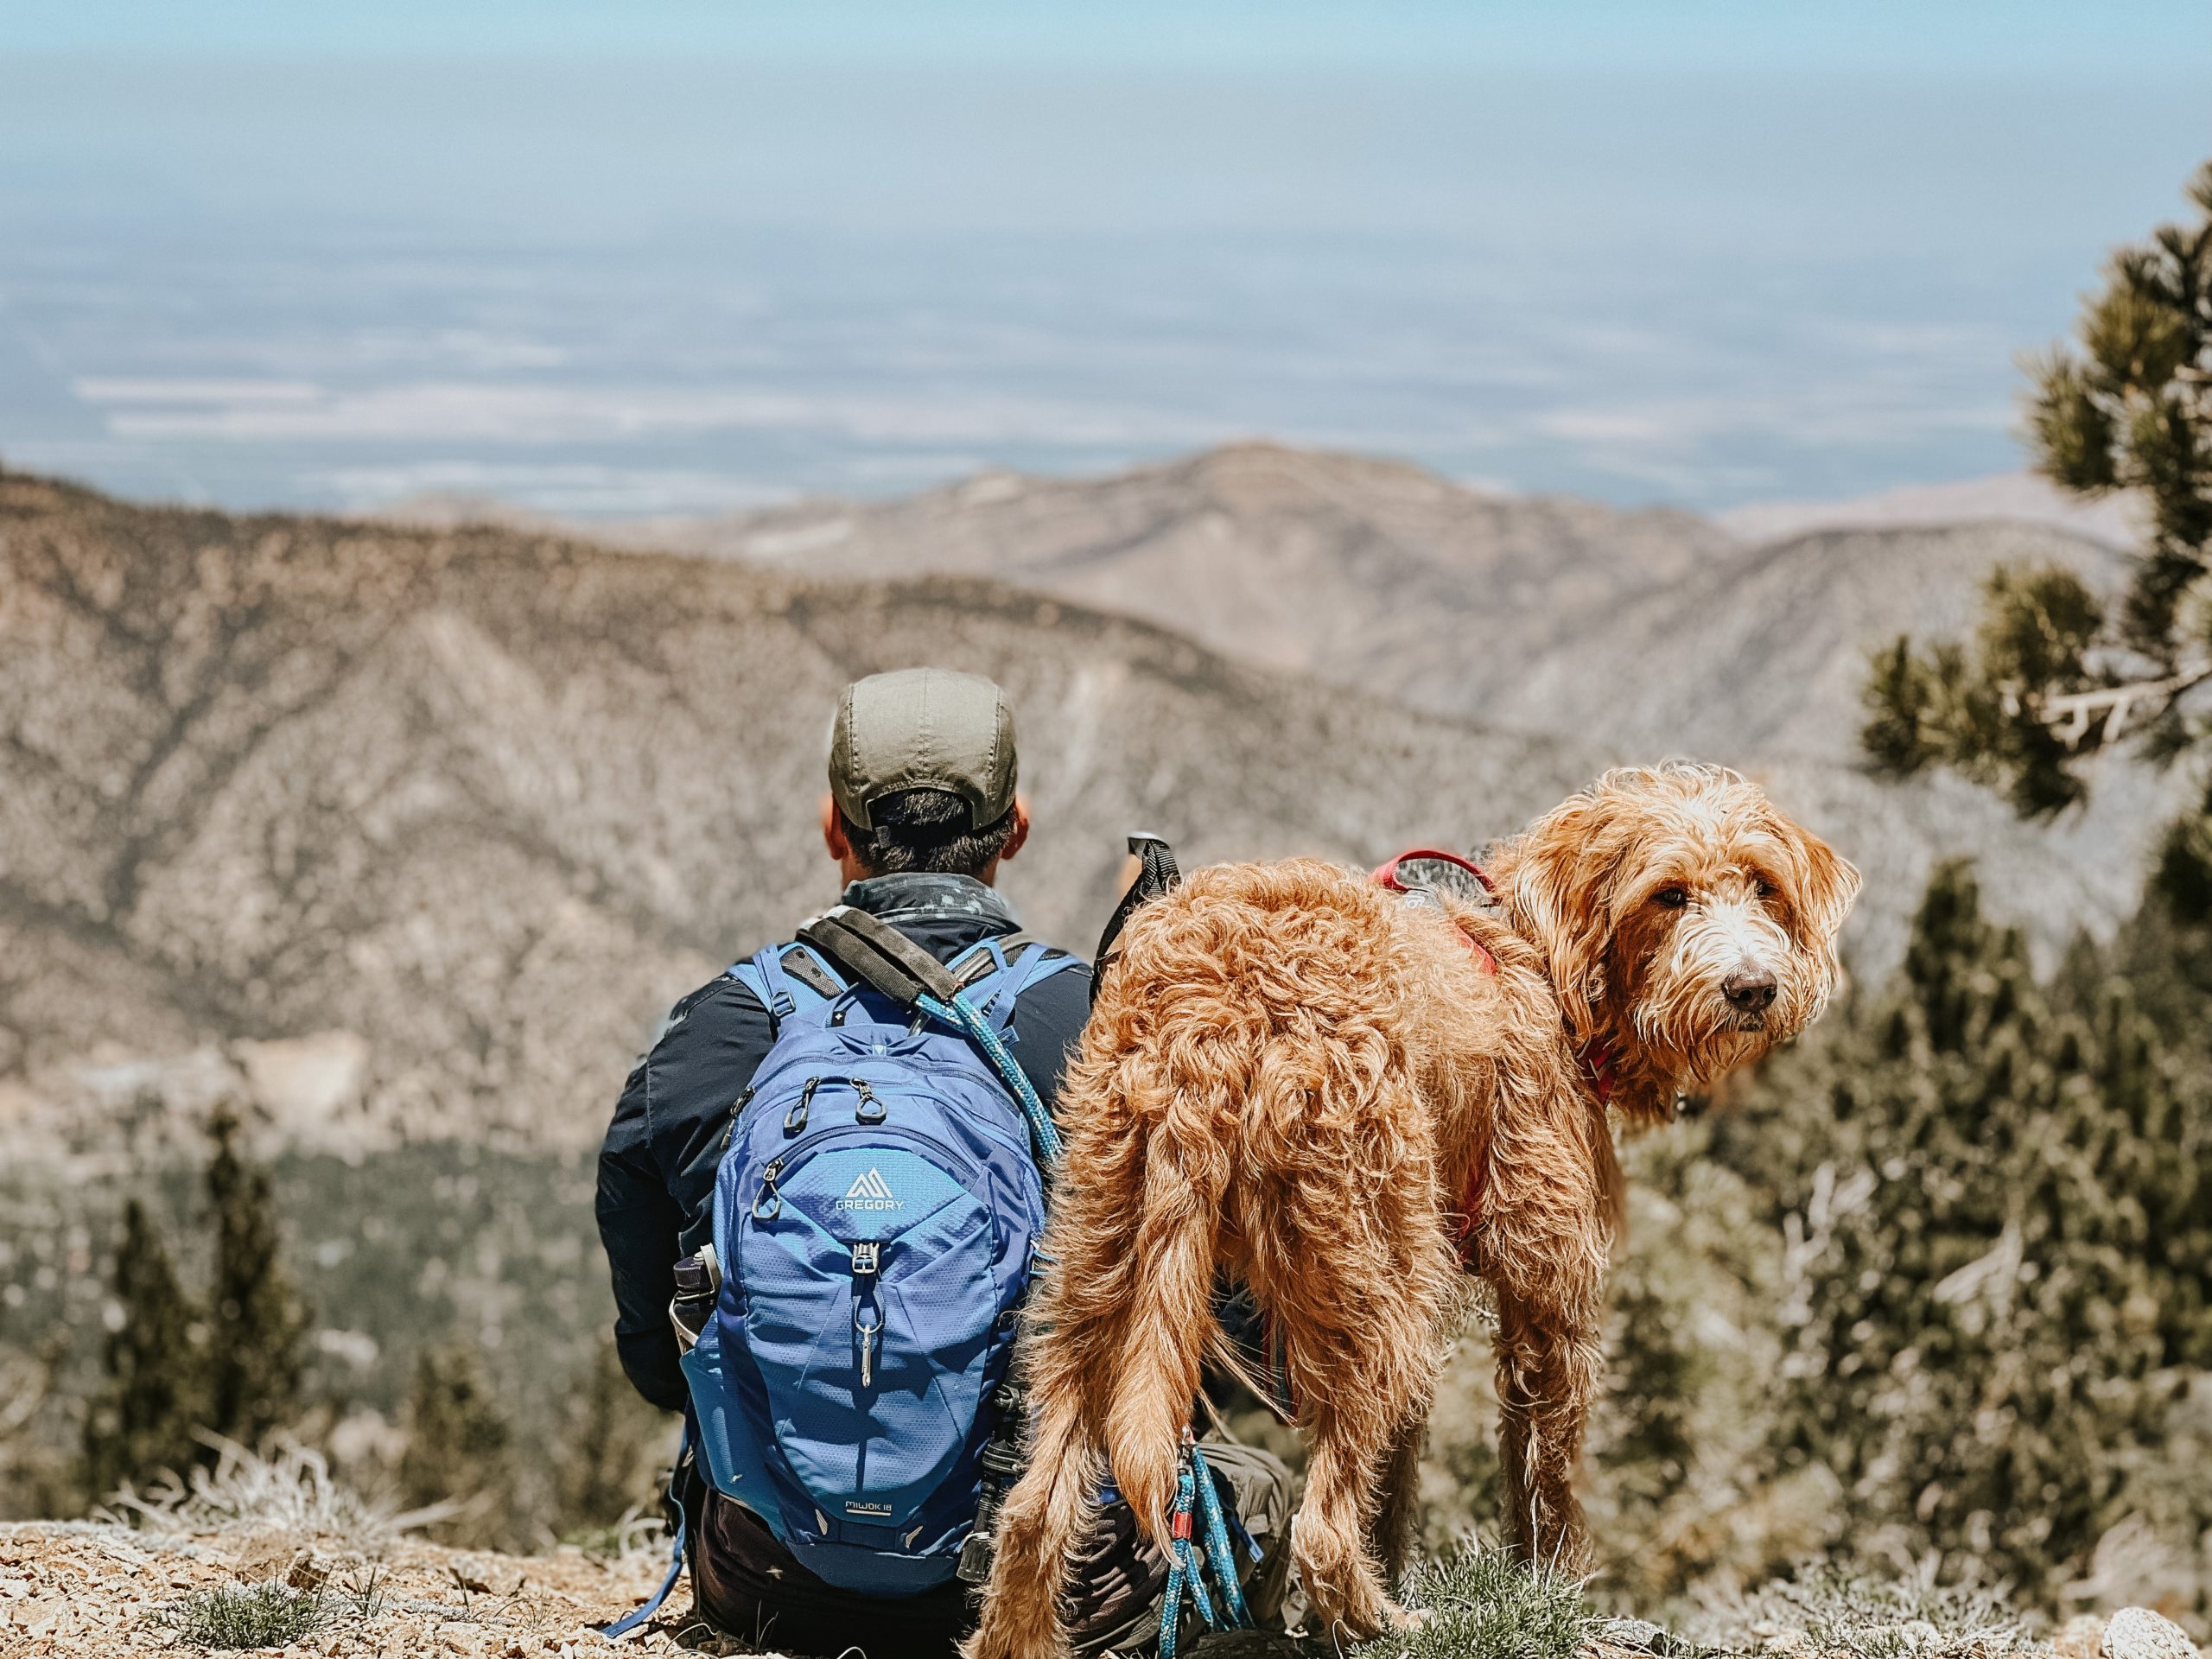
(1751, 990)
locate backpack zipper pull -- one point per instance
(868, 1109)
(866, 1256)
(736, 1112)
(767, 1195)
(795, 1119)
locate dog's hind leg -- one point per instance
(1042, 1522)
(1358, 1284)
(1391, 1535)
(1116, 1335)
(1331, 1539)
(1148, 1397)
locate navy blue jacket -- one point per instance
(656, 1168)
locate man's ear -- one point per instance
(1020, 833)
(833, 830)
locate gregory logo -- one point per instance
(870, 1191)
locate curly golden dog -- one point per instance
(1346, 1102)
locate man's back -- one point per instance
(656, 1168)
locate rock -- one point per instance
(2138, 1633)
(1638, 1635)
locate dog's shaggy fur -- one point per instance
(1295, 1078)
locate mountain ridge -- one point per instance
(393, 830)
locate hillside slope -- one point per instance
(399, 831)
(1641, 630)
(427, 827)
(1763, 651)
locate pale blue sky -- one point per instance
(632, 254)
(1913, 36)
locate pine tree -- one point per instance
(2003, 1261)
(258, 1322)
(608, 1437)
(156, 1393)
(2052, 677)
(460, 1448)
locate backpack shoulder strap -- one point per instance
(787, 977)
(801, 963)
(1015, 961)
(987, 956)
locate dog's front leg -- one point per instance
(1550, 1365)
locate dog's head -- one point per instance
(1687, 924)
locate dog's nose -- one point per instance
(1749, 989)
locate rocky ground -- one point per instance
(99, 1590)
(91, 1592)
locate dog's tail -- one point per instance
(1170, 1313)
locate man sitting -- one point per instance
(921, 813)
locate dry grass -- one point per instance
(289, 1489)
(1830, 1612)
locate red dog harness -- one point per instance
(1596, 1056)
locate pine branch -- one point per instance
(2107, 710)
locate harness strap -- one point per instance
(629, 1622)
(1595, 1057)
(1157, 873)
(1386, 875)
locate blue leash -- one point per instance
(961, 1015)
(1194, 1491)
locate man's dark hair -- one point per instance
(926, 830)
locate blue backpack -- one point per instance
(876, 1214)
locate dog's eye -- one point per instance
(1671, 898)
(1764, 887)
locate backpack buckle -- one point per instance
(865, 1257)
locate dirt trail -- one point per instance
(86, 1591)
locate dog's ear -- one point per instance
(1823, 885)
(1562, 874)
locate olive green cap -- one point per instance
(923, 728)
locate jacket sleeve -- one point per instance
(638, 1224)
(1046, 1024)
(656, 1168)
